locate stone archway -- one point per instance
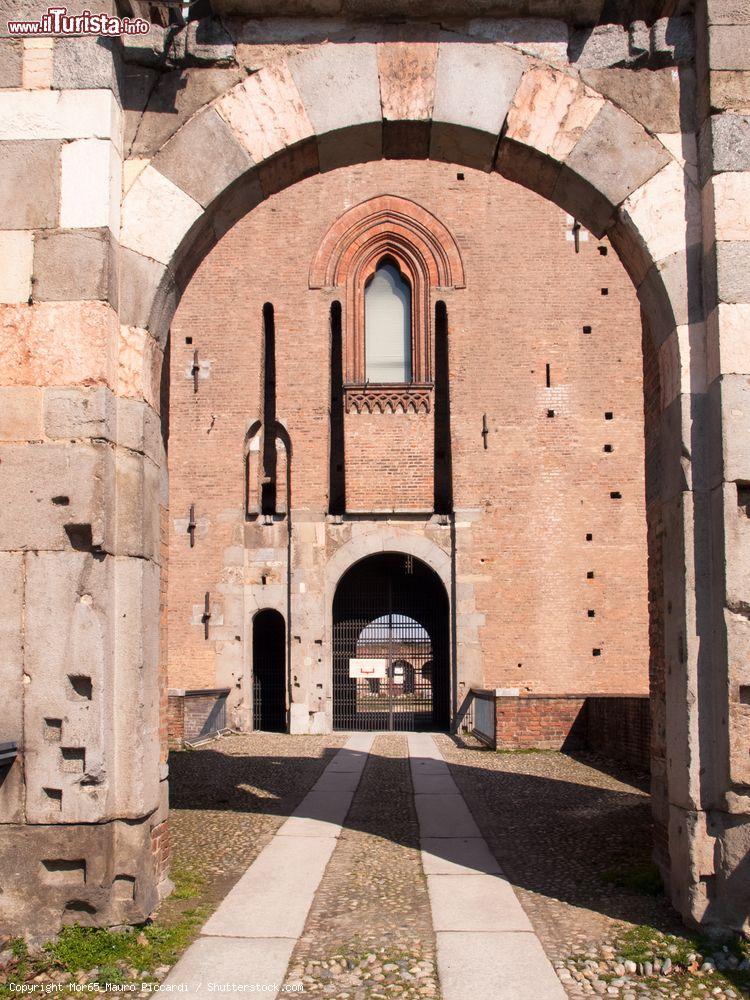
(480, 104)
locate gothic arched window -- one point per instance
(388, 331)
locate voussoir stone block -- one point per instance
(670, 294)
(154, 196)
(266, 112)
(58, 343)
(551, 111)
(322, 74)
(407, 80)
(141, 278)
(664, 215)
(474, 88)
(615, 155)
(29, 184)
(75, 265)
(203, 158)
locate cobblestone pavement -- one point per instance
(567, 832)
(228, 799)
(369, 933)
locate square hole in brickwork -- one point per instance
(609, 415)
(587, 329)
(591, 613)
(62, 871)
(744, 694)
(123, 888)
(73, 760)
(743, 497)
(596, 652)
(80, 687)
(53, 798)
(590, 575)
(460, 176)
(550, 413)
(605, 291)
(589, 537)
(603, 251)
(52, 730)
(188, 340)
(608, 448)
(615, 495)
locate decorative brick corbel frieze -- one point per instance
(370, 398)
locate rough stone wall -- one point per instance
(526, 503)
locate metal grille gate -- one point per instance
(269, 672)
(392, 611)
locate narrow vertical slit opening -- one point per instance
(268, 482)
(336, 455)
(443, 456)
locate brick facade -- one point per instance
(563, 461)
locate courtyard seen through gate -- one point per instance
(383, 421)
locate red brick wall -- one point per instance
(176, 720)
(620, 728)
(531, 497)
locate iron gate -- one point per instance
(269, 672)
(390, 647)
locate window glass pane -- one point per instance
(388, 326)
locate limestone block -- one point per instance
(639, 41)
(20, 413)
(299, 718)
(673, 39)
(57, 497)
(139, 428)
(681, 364)
(729, 47)
(169, 99)
(729, 89)
(11, 681)
(68, 660)
(732, 881)
(319, 723)
(36, 896)
(738, 666)
(729, 196)
(136, 683)
(89, 62)
(78, 265)
(602, 45)
(615, 156)
(322, 75)
(72, 414)
(724, 144)
(727, 273)
(652, 97)
(551, 111)
(474, 88)
(730, 397)
(203, 158)
(684, 149)
(29, 184)
(140, 365)
(731, 524)
(664, 215)
(540, 37)
(55, 114)
(10, 62)
(208, 41)
(678, 470)
(153, 196)
(58, 343)
(17, 255)
(727, 12)
(90, 186)
(728, 342)
(137, 526)
(146, 286)
(37, 63)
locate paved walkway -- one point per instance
(484, 942)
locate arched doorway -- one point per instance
(390, 620)
(269, 672)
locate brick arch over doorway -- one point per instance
(533, 123)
